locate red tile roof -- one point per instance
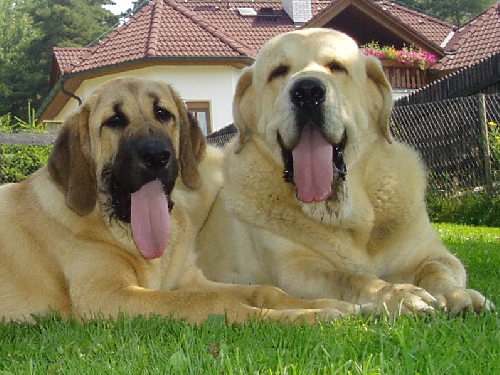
(68, 56)
(164, 28)
(175, 29)
(271, 19)
(474, 41)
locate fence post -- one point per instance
(485, 142)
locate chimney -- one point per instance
(299, 10)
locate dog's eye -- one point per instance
(162, 114)
(335, 66)
(116, 121)
(280, 71)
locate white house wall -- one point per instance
(213, 84)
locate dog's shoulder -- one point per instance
(198, 203)
(409, 165)
(27, 191)
(397, 162)
(34, 215)
(211, 163)
(395, 181)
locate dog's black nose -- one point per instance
(154, 154)
(308, 93)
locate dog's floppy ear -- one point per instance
(376, 74)
(242, 107)
(192, 144)
(70, 164)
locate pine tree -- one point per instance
(54, 23)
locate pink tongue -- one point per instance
(313, 166)
(150, 219)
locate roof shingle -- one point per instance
(476, 40)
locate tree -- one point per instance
(454, 11)
(16, 33)
(16, 29)
(55, 23)
(137, 5)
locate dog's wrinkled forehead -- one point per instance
(133, 98)
(304, 49)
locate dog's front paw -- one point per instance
(405, 299)
(346, 308)
(304, 316)
(458, 300)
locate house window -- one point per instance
(201, 111)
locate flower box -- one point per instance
(403, 75)
(405, 68)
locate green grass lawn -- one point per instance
(432, 345)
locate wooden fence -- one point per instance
(27, 139)
(457, 140)
(452, 136)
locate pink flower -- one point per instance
(407, 55)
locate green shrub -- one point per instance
(466, 208)
(18, 162)
(494, 138)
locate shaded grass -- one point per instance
(432, 345)
(467, 208)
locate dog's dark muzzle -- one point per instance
(142, 160)
(139, 161)
(154, 155)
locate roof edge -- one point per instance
(152, 43)
(236, 62)
(335, 8)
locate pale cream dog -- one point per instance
(318, 198)
(101, 230)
